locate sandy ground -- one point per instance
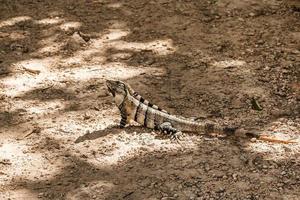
(214, 59)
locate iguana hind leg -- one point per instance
(168, 129)
(123, 122)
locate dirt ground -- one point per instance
(230, 61)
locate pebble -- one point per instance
(167, 198)
(265, 166)
(234, 176)
(40, 195)
(251, 14)
(220, 190)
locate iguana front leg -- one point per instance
(123, 121)
(123, 113)
(167, 128)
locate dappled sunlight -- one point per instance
(224, 71)
(14, 20)
(159, 47)
(41, 108)
(96, 49)
(282, 129)
(251, 90)
(276, 152)
(102, 188)
(18, 155)
(32, 73)
(50, 45)
(19, 194)
(18, 84)
(112, 70)
(21, 82)
(31, 111)
(38, 64)
(18, 35)
(51, 48)
(49, 21)
(95, 52)
(139, 142)
(60, 135)
(70, 26)
(229, 63)
(115, 5)
(113, 34)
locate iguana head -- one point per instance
(119, 90)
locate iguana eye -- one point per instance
(122, 85)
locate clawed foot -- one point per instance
(167, 128)
(177, 136)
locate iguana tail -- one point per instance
(260, 136)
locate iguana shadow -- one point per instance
(115, 129)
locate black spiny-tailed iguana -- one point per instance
(133, 107)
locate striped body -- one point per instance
(146, 102)
(140, 98)
(152, 118)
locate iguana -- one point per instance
(133, 107)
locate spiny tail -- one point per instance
(215, 128)
(203, 127)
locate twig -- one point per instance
(5, 162)
(275, 140)
(33, 71)
(46, 88)
(35, 130)
(255, 105)
(128, 194)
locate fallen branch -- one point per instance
(35, 130)
(32, 71)
(275, 140)
(5, 162)
(128, 194)
(46, 88)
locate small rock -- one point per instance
(253, 140)
(255, 105)
(251, 14)
(40, 195)
(220, 190)
(85, 37)
(260, 42)
(167, 198)
(265, 167)
(234, 176)
(83, 156)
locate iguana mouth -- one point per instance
(110, 88)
